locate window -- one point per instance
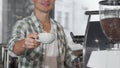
(59, 15)
(66, 20)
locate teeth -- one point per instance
(46, 4)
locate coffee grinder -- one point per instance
(102, 35)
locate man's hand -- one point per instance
(30, 41)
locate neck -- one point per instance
(43, 17)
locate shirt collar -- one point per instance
(37, 22)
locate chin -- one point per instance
(45, 11)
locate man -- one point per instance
(33, 54)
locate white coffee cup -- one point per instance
(46, 37)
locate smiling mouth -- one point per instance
(46, 4)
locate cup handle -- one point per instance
(37, 40)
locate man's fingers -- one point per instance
(31, 44)
(29, 40)
(34, 36)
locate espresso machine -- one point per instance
(101, 48)
(102, 38)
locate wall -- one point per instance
(1, 21)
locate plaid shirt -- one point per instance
(33, 58)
